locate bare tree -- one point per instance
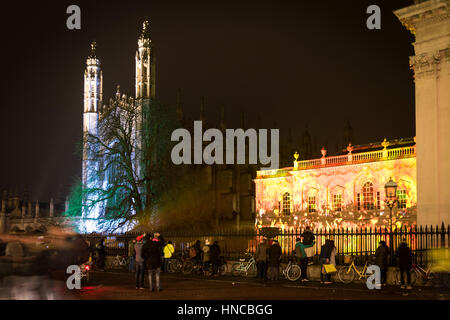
(126, 161)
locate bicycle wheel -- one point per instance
(414, 277)
(236, 269)
(252, 271)
(223, 269)
(346, 274)
(171, 266)
(294, 272)
(188, 266)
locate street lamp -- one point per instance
(390, 189)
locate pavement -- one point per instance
(118, 285)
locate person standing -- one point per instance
(168, 253)
(206, 257)
(325, 255)
(301, 255)
(332, 257)
(101, 255)
(308, 238)
(131, 255)
(198, 252)
(140, 262)
(381, 260)
(261, 260)
(274, 260)
(214, 253)
(152, 252)
(404, 255)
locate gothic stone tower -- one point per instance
(145, 93)
(93, 96)
(429, 21)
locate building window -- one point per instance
(358, 201)
(378, 200)
(402, 199)
(337, 202)
(368, 202)
(311, 204)
(287, 204)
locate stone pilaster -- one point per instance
(429, 21)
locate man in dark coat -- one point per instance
(308, 238)
(404, 256)
(325, 255)
(381, 260)
(199, 252)
(152, 252)
(274, 260)
(261, 260)
(214, 255)
(101, 255)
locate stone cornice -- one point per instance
(424, 13)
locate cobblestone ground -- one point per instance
(121, 285)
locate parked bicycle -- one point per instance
(175, 264)
(348, 273)
(119, 262)
(418, 273)
(292, 271)
(244, 268)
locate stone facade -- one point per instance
(429, 21)
(340, 191)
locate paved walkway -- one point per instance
(121, 285)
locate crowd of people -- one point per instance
(268, 259)
(268, 256)
(151, 253)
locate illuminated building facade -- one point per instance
(340, 191)
(93, 99)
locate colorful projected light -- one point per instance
(339, 191)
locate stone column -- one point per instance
(52, 208)
(66, 207)
(36, 216)
(429, 21)
(3, 221)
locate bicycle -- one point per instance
(417, 272)
(244, 268)
(175, 264)
(119, 262)
(190, 266)
(348, 273)
(292, 271)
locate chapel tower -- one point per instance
(93, 96)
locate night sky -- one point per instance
(299, 63)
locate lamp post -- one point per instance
(390, 189)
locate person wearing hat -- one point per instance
(140, 262)
(381, 260)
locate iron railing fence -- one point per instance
(360, 243)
